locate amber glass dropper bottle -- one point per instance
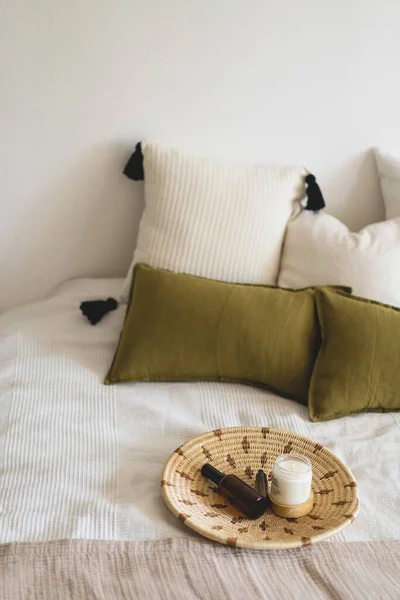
(242, 496)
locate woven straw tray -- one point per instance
(242, 451)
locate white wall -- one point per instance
(314, 82)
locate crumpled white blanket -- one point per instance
(83, 460)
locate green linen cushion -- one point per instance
(358, 365)
(185, 328)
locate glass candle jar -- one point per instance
(291, 480)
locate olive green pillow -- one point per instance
(186, 328)
(358, 365)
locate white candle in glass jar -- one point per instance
(291, 480)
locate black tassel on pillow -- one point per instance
(315, 199)
(95, 310)
(134, 167)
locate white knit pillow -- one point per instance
(389, 174)
(214, 220)
(320, 250)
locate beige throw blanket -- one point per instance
(196, 569)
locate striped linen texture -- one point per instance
(214, 220)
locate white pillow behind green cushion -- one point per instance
(214, 220)
(320, 250)
(389, 175)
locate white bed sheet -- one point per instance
(84, 460)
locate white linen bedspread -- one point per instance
(83, 460)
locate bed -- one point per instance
(82, 462)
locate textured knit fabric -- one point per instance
(190, 570)
(358, 365)
(320, 250)
(185, 328)
(84, 460)
(214, 220)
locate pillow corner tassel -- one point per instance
(134, 167)
(95, 310)
(315, 199)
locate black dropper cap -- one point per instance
(211, 473)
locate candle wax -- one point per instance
(291, 480)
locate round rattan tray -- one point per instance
(242, 451)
